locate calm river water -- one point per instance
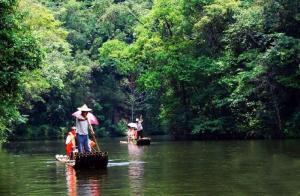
(163, 168)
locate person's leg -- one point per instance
(86, 144)
(80, 142)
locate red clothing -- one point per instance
(69, 149)
(92, 144)
(70, 143)
(135, 134)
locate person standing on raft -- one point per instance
(82, 126)
(139, 127)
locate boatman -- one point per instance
(139, 127)
(83, 125)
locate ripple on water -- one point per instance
(126, 163)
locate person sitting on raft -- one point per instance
(131, 133)
(71, 142)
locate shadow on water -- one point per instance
(35, 147)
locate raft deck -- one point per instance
(140, 142)
(93, 160)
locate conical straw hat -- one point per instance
(84, 108)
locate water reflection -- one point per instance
(135, 169)
(166, 168)
(84, 182)
(71, 181)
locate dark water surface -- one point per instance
(163, 168)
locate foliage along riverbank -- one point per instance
(191, 68)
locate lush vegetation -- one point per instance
(203, 68)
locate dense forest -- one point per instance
(192, 68)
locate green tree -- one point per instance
(19, 52)
(221, 68)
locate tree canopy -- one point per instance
(203, 68)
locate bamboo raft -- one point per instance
(140, 142)
(92, 160)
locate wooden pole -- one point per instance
(96, 142)
(93, 134)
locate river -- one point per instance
(164, 168)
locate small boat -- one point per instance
(92, 160)
(143, 141)
(140, 142)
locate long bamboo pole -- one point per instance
(93, 134)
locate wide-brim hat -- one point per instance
(84, 108)
(132, 125)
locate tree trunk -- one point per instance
(185, 106)
(276, 108)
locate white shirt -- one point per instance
(82, 127)
(139, 126)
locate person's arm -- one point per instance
(90, 127)
(141, 118)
